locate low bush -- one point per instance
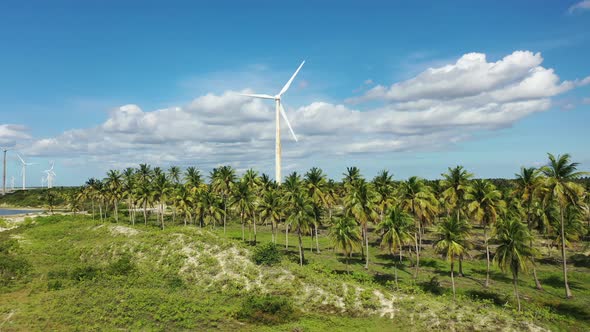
(121, 267)
(267, 309)
(85, 273)
(266, 254)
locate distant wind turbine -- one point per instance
(50, 175)
(278, 109)
(24, 170)
(4, 172)
(12, 183)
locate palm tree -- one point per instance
(129, 182)
(144, 195)
(174, 175)
(383, 184)
(252, 180)
(243, 199)
(455, 184)
(344, 235)
(396, 231)
(160, 191)
(485, 204)
(514, 250)
(270, 209)
(417, 198)
(115, 187)
(301, 216)
(528, 187)
(560, 172)
(222, 181)
(360, 203)
(351, 175)
(90, 192)
(291, 189)
(193, 178)
(316, 184)
(453, 241)
(212, 206)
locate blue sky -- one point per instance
(67, 68)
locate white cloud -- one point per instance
(10, 133)
(437, 108)
(580, 6)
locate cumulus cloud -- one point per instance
(437, 108)
(580, 6)
(10, 133)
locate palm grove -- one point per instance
(512, 215)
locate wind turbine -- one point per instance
(24, 170)
(278, 109)
(50, 175)
(4, 172)
(12, 183)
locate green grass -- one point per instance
(35, 198)
(82, 275)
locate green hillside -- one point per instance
(73, 273)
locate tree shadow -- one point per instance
(497, 299)
(427, 262)
(572, 310)
(557, 282)
(495, 275)
(580, 260)
(548, 260)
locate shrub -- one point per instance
(267, 309)
(85, 273)
(433, 286)
(54, 285)
(267, 254)
(12, 268)
(121, 267)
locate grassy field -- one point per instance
(72, 273)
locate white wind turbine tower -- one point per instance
(24, 170)
(12, 183)
(279, 109)
(50, 175)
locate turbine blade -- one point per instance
(254, 95)
(21, 159)
(286, 87)
(287, 121)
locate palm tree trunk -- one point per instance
(162, 214)
(417, 256)
(367, 245)
(254, 228)
(347, 264)
(485, 234)
(100, 210)
(242, 222)
(568, 292)
(317, 242)
(93, 210)
(225, 216)
(116, 211)
(453, 277)
(460, 265)
(272, 231)
(394, 268)
(145, 212)
(286, 235)
(515, 282)
(301, 254)
(537, 282)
